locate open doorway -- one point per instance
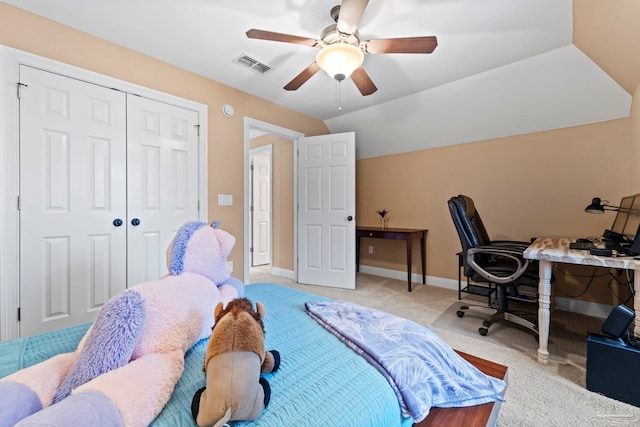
(280, 234)
(260, 208)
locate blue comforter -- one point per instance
(321, 382)
(422, 369)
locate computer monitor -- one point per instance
(620, 221)
(633, 220)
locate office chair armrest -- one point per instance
(514, 243)
(513, 253)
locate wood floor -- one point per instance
(473, 416)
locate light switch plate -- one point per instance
(225, 199)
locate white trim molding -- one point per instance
(253, 127)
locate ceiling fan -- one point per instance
(341, 50)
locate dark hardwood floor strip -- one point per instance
(473, 416)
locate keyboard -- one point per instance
(581, 246)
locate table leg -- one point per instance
(544, 303)
(357, 254)
(423, 254)
(409, 263)
(636, 302)
(460, 276)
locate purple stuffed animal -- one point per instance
(128, 363)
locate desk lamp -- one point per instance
(598, 206)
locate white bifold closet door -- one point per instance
(106, 179)
(162, 182)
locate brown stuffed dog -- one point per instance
(234, 361)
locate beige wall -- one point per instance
(282, 194)
(525, 186)
(635, 138)
(608, 32)
(31, 33)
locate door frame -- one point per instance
(254, 153)
(254, 125)
(10, 59)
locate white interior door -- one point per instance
(261, 208)
(326, 213)
(162, 176)
(72, 189)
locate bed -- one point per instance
(320, 382)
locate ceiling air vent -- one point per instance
(251, 63)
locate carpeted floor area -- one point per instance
(567, 335)
(537, 395)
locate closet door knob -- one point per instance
(349, 218)
(135, 222)
(117, 222)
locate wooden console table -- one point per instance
(406, 234)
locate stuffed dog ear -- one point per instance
(217, 310)
(261, 310)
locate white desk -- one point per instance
(556, 249)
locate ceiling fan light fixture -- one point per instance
(339, 60)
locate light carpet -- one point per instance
(567, 334)
(537, 395)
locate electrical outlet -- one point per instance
(370, 249)
(230, 265)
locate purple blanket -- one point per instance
(422, 369)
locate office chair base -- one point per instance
(508, 317)
(482, 308)
(498, 317)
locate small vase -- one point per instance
(383, 223)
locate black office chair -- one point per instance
(498, 263)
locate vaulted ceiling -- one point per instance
(501, 67)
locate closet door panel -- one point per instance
(162, 182)
(72, 187)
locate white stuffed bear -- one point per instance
(129, 361)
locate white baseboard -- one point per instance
(282, 272)
(583, 307)
(415, 278)
(566, 304)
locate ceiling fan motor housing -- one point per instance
(331, 35)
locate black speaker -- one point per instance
(618, 322)
(612, 368)
(635, 246)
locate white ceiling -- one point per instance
(501, 68)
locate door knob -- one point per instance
(117, 222)
(135, 222)
(349, 218)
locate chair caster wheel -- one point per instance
(483, 331)
(460, 313)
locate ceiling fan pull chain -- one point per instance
(338, 97)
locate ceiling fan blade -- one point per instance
(279, 37)
(425, 44)
(350, 14)
(363, 82)
(302, 78)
